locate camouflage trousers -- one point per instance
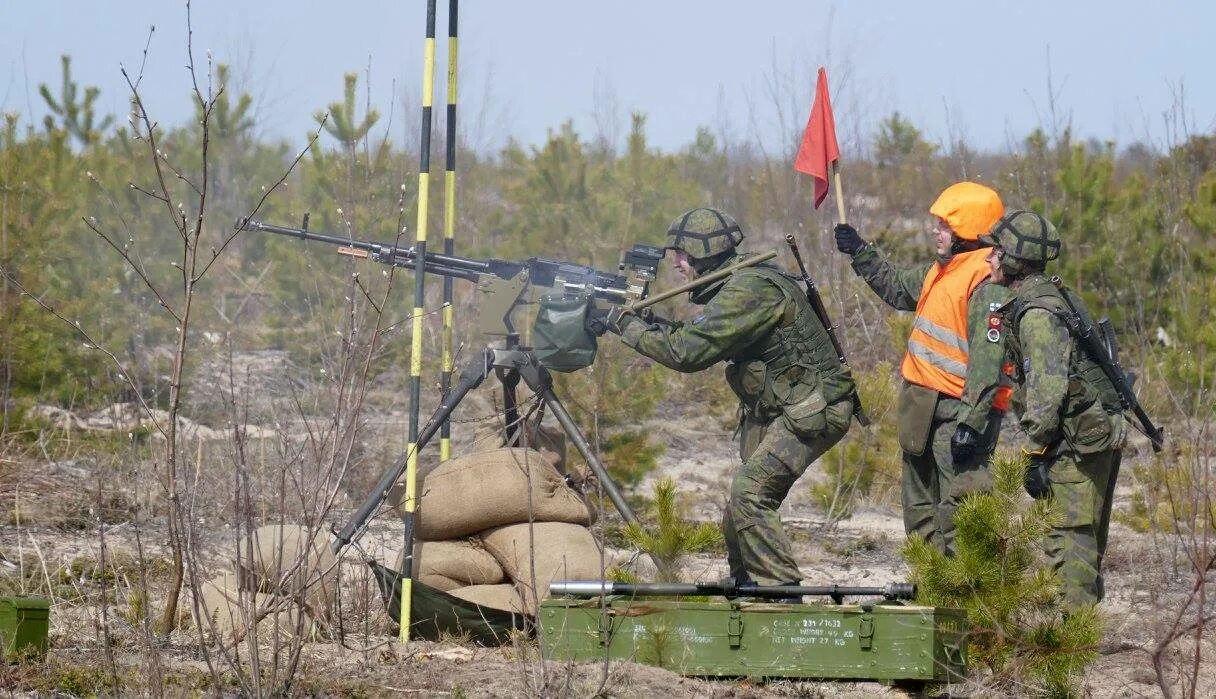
(1084, 487)
(773, 459)
(932, 486)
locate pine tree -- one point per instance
(1019, 633)
(77, 117)
(672, 538)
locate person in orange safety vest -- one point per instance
(954, 393)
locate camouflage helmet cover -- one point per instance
(1025, 236)
(702, 233)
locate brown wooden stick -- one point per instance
(839, 192)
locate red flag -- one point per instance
(819, 148)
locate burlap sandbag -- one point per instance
(554, 550)
(503, 597)
(286, 561)
(550, 440)
(461, 560)
(474, 492)
(440, 582)
(229, 611)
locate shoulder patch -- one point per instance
(994, 325)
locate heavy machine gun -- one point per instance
(502, 284)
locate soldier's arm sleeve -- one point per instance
(898, 286)
(985, 353)
(736, 317)
(1046, 349)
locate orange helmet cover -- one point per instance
(969, 209)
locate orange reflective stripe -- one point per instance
(938, 344)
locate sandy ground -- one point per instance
(860, 550)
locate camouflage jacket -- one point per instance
(1060, 393)
(900, 287)
(759, 321)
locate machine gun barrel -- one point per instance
(569, 277)
(598, 588)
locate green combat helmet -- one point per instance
(702, 233)
(1028, 241)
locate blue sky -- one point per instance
(956, 69)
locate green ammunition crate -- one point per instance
(24, 622)
(883, 642)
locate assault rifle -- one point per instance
(816, 301)
(1103, 351)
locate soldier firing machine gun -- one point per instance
(565, 295)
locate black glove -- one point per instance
(1038, 485)
(847, 239)
(963, 444)
(597, 321)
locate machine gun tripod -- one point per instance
(511, 365)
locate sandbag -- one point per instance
(549, 440)
(503, 597)
(440, 582)
(460, 560)
(230, 611)
(286, 561)
(474, 492)
(554, 550)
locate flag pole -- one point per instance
(839, 192)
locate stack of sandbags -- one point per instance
(510, 506)
(283, 569)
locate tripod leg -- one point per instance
(512, 430)
(472, 376)
(537, 377)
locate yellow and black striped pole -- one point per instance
(449, 229)
(411, 449)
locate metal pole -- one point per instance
(449, 229)
(598, 588)
(411, 451)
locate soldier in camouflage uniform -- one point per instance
(794, 392)
(951, 403)
(1068, 407)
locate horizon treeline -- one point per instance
(82, 230)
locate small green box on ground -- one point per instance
(882, 642)
(24, 622)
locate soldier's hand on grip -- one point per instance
(597, 322)
(615, 318)
(963, 444)
(848, 240)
